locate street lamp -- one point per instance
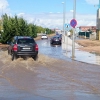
(2, 19)
(73, 40)
(64, 11)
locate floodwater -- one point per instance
(64, 51)
(48, 78)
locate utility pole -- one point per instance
(73, 40)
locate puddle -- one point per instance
(80, 55)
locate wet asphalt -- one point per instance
(53, 77)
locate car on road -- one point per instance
(56, 40)
(44, 36)
(23, 46)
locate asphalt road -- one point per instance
(52, 77)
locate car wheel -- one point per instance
(35, 57)
(14, 56)
(25, 58)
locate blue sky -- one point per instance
(49, 13)
(46, 6)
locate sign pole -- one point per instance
(67, 37)
(73, 40)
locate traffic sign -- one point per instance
(73, 23)
(67, 25)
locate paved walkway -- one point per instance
(79, 55)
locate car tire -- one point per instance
(35, 57)
(14, 56)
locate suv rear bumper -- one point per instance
(26, 53)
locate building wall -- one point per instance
(87, 28)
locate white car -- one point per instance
(44, 36)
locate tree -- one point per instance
(6, 34)
(14, 26)
(32, 29)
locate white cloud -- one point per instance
(21, 14)
(50, 20)
(4, 7)
(93, 2)
(86, 20)
(53, 20)
(71, 10)
(3, 4)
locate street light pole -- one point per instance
(73, 40)
(2, 18)
(63, 16)
(64, 11)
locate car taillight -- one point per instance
(36, 47)
(15, 47)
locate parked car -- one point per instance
(22, 46)
(44, 36)
(56, 40)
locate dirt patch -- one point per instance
(3, 46)
(89, 45)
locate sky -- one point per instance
(49, 13)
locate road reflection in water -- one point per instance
(55, 51)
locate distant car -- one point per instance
(56, 40)
(44, 36)
(22, 46)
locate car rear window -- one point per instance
(25, 41)
(56, 37)
(44, 35)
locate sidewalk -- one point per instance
(79, 55)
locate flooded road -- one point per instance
(48, 78)
(65, 52)
(51, 50)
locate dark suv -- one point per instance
(22, 46)
(56, 40)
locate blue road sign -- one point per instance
(67, 25)
(73, 23)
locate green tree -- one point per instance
(23, 27)
(32, 29)
(13, 26)
(7, 33)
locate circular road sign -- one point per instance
(73, 23)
